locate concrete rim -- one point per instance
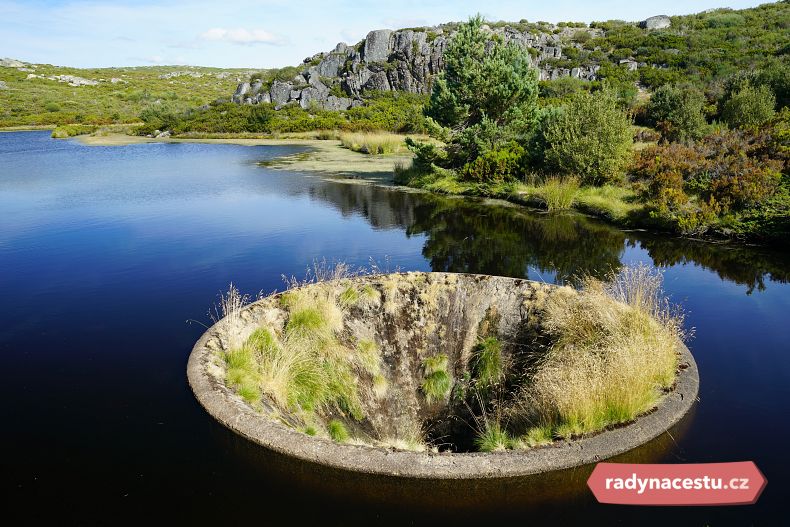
(227, 408)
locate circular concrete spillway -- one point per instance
(410, 318)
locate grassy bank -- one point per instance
(616, 204)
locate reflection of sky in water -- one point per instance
(105, 252)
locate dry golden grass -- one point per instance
(615, 352)
(372, 142)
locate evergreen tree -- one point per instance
(487, 95)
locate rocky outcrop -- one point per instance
(405, 60)
(656, 22)
(11, 63)
(71, 80)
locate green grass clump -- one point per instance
(310, 430)
(435, 363)
(338, 431)
(71, 130)
(262, 340)
(242, 374)
(492, 438)
(488, 364)
(306, 321)
(610, 201)
(380, 386)
(349, 297)
(537, 436)
(558, 193)
(369, 292)
(436, 385)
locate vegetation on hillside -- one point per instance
(706, 161)
(385, 111)
(120, 95)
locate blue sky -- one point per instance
(263, 33)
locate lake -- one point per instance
(110, 258)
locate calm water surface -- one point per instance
(106, 253)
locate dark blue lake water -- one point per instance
(107, 252)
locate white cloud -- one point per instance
(240, 36)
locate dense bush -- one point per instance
(719, 178)
(749, 106)
(496, 166)
(677, 111)
(703, 47)
(590, 138)
(388, 111)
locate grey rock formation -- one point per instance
(3, 85)
(656, 22)
(11, 63)
(330, 66)
(631, 64)
(405, 60)
(241, 90)
(308, 97)
(377, 46)
(337, 103)
(280, 92)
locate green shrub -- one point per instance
(677, 111)
(698, 186)
(496, 166)
(591, 138)
(749, 106)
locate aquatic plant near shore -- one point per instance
(558, 193)
(372, 143)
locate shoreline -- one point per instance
(326, 156)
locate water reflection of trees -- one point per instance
(469, 236)
(464, 235)
(749, 266)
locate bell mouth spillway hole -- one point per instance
(416, 361)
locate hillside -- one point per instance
(42, 94)
(701, 48)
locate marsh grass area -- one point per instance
(375, 362)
